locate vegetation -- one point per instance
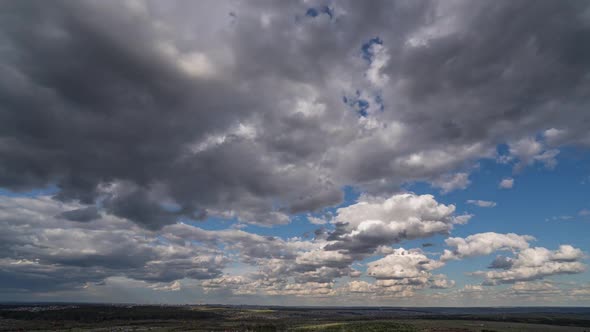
(360, 327)
(253, 318)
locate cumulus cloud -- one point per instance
(324, 260)
(440, 281)
(364, 226)
(402, 264)
(536, 263)
(90, 253)
(411, 268)
(114, 246)
(378, 289)
(484, 244)
(400, 274)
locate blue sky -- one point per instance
(295, 153)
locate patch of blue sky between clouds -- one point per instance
(317, 11)
(363, 103)
(366, 102)
(49, 190)
(358, 104)
(525, 208)
(367, 51)
(522, 210)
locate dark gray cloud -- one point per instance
(128, 105)
(121, 113)
(23, 277)
(53, 253)
(501, 262)
(82, 215)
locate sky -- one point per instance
(400, 153)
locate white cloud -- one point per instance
(322, 258)
(536, 289)
(364, 226)
(537, 263)
(529, 150)
(472, 288)
(440, 281)
(506, 183)
(316, 220)
(380, 60)
(481, 203)
(554, 136)
(403, 264)
(360, 286)
(448, 183)
(171, 287)
(484, 244)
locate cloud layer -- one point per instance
(161, 118)
(144, 118)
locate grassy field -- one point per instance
(359, 326)
(227, 318)
(487, 326)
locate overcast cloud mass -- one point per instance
(295, 152)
